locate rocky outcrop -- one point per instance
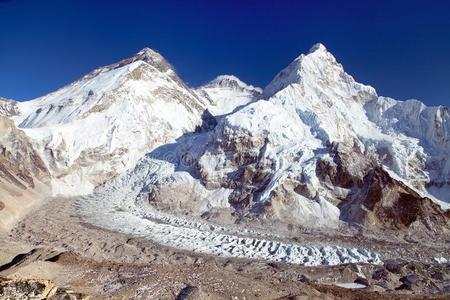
(22, 173)
(316, 148)
(35, 289)
(375, 199)
(20, 164)
(386, 203)
(8, 108)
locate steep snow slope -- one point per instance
(213, 170)
(100, 125)
(430, 126)
(259, 150)
(407, 137)
(226, 93)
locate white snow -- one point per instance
(226, 93)
(415, 139)
(441, 260)
(105, 122)
(351, 285)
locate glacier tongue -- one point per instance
(116, 201)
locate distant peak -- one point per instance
(223, 79)
(4, 100)
(147, 53)
(231, 81)
(151, 57)
(317, 47)
(310, 64)
(147, 50)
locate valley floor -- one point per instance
(53, 243)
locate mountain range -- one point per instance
(314, 147)
(313, 170)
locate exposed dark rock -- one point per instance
(20, 164)
(8, 108)
(346, 169)
(380, 274)
(209, 122)
(303, 278)
(410, 279)
(375, 199)
(408, 282)
(35, 289)
(362, 280)
(395, 265)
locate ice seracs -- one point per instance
(120, 200)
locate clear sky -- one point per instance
(402, 48)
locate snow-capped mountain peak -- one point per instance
(148, 53)
(103, 123)
(317, 47)
(319, 70)
(153, 58)
(231, 81)
(147, 56)
(225, 93)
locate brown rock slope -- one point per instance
(24, 177)
(376, 200)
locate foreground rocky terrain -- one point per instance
(129, 184)
(54, 244)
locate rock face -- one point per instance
(8, 108)
(427, 167)
(20, 164)
(21, 171)
(316, 171)
(384, 202)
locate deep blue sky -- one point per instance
(402, 48)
